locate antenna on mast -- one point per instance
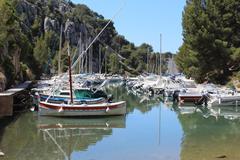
(160, 56)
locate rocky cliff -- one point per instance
(30, 34)
(34, 20)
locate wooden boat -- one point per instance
(102, 109)
(60, 100)
(63, 97)
(80, 96)
(72, 108)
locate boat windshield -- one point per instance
(83, 93)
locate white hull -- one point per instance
(225, 101)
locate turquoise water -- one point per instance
(150, 131)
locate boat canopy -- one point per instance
(79, 93)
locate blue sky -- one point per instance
(143, 20)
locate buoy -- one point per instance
(1, 154)
(60, 125)
(32, 109)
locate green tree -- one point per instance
(211, 40)
(42, 51)
(114, 64)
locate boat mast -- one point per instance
(147, 58)
(60, 52)
(99, 59)
(105, 59)
(160, 56)
(80, 50)
(70, 73)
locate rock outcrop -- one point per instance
(28, 10)
(51, 24)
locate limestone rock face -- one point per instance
(73, 31)
(37, 17)
(50, 24)
(70, 31)
(28, 10)
(63, 8)
(32, 10)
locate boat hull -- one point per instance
(189, 98)
(103, 109)
(225, 101)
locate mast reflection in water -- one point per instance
(74, 134)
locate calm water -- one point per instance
(150, 131)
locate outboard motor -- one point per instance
(151, 91)
(165, 94)
(176, 96)
(110, 98)
(202, 100)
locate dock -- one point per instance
(13, 98)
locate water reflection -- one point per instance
(209, 133)
(142, 103)
(32, 137)
(29, 136)
(147, 132)
(74, 134)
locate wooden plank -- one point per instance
(6, 105)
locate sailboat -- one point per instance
(72, 108)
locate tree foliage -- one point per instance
(211, 40)
(13, 42)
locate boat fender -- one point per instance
(60, 110)
(107, 109)
(1, 154)
(203, 99)
(32, 109)
(59, 125)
